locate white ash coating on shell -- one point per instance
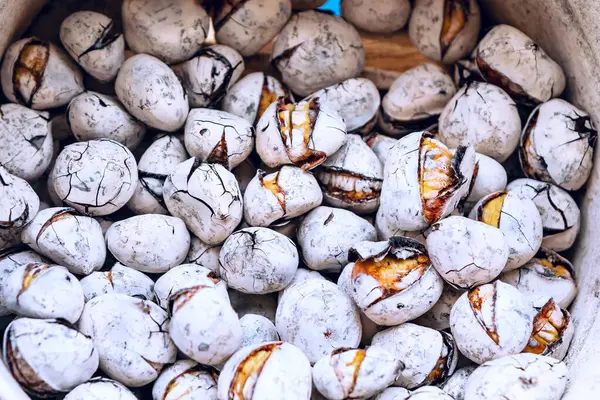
(418, 160)
(152, 93)
(19, 203)
(482, 115)
(520, 222)
(547, 275)
(96, 177)
(245, 303)
(102, 388)
(304, 135)
(489, 177)
(10, 259)
(92, 40)
(380, 144)
(304, 274)
(155, 164)
(206, 197)
(326, 234)
(215, 136)
(266, 371)
(467, 253)
(520, 376)
(204, 255)
(170, 30)
(184, 276)
(119, 279)
(131, 337)
(38, 290)
(315, 50)
(280, 196)
(92, 115)
(203, 324)
(26, 138)
(356, 100)
(393, 281)
(185, 379)
(258, 261)
(444, 31)
(429, 356)
(39, 74)
(491, 321)
(393, 393)
(557, 144)
(382, 17)
(355, 373)
(209, 75)
(438, 316)
(506, 57)
(316, 316)
(251, 95)
(416, 99)
(559, 211)
(247, 26)
(149, 243)
(352, 177)
(429, 393)
(48, 356)
(257, 329)
(456, 384)
(67, 238)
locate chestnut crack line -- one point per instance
(519, 227)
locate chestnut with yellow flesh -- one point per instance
(248, 371)
(196, 372)
(334, 179)
(548, 326)
(56, 217)
(548, 268)
(456, 13)
(391, 272)
(31, 272)
(354, 364)
(183, 296)
(491, 211)
(439, 372)
(477, 300)
(273, 186)
(268, 96)
(29, 70)
(436, 177)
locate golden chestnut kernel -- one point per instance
(272, 185)
(456, 13)
(477, 298)
(548, 327)
(436, 176)
(491, 210)
(249, 370)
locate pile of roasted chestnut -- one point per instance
(201, 233)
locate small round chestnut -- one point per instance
(185, 379)
(257, 329)
(380, 144)
(100, 387)
(18, 205)
(119, 279)
(552, 331)
(381, 17)
(438, 316)
(456, 384)
(204, 255)
(182, 277)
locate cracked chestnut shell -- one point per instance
(429, 356)
(455, 385)
(157, 162)
(257, 329)
(204, 255)
(119, 279)
(316, 316)
(303, 134)
(250, 97)
(352, 177)
(26, 138)
(206, 197)
(209, 75)
(557, 145)
(28, 346)
(519, 220)
(467, 253)
(248, 25)
(131, 336)
(506, 58)
(559, 211)
(100, 387)
(552, 331)
(39, 75)
(266, 371)
(96, 177)
(445, 30)
(393, 282)
(438, 316)
(186, 379)
(218, 137)
(92, 40)
(491, 321)
(482, 115)
(520, 376)
(18, 205)
(416, 99)
(258, 261)
(423, 182)
(335, 49)
(547, 275)
(489, 176)
(92, 115)
(170, 30)
(380, 144)
(67, 238)
(384, 16)
(182, 277)
(355, 373)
